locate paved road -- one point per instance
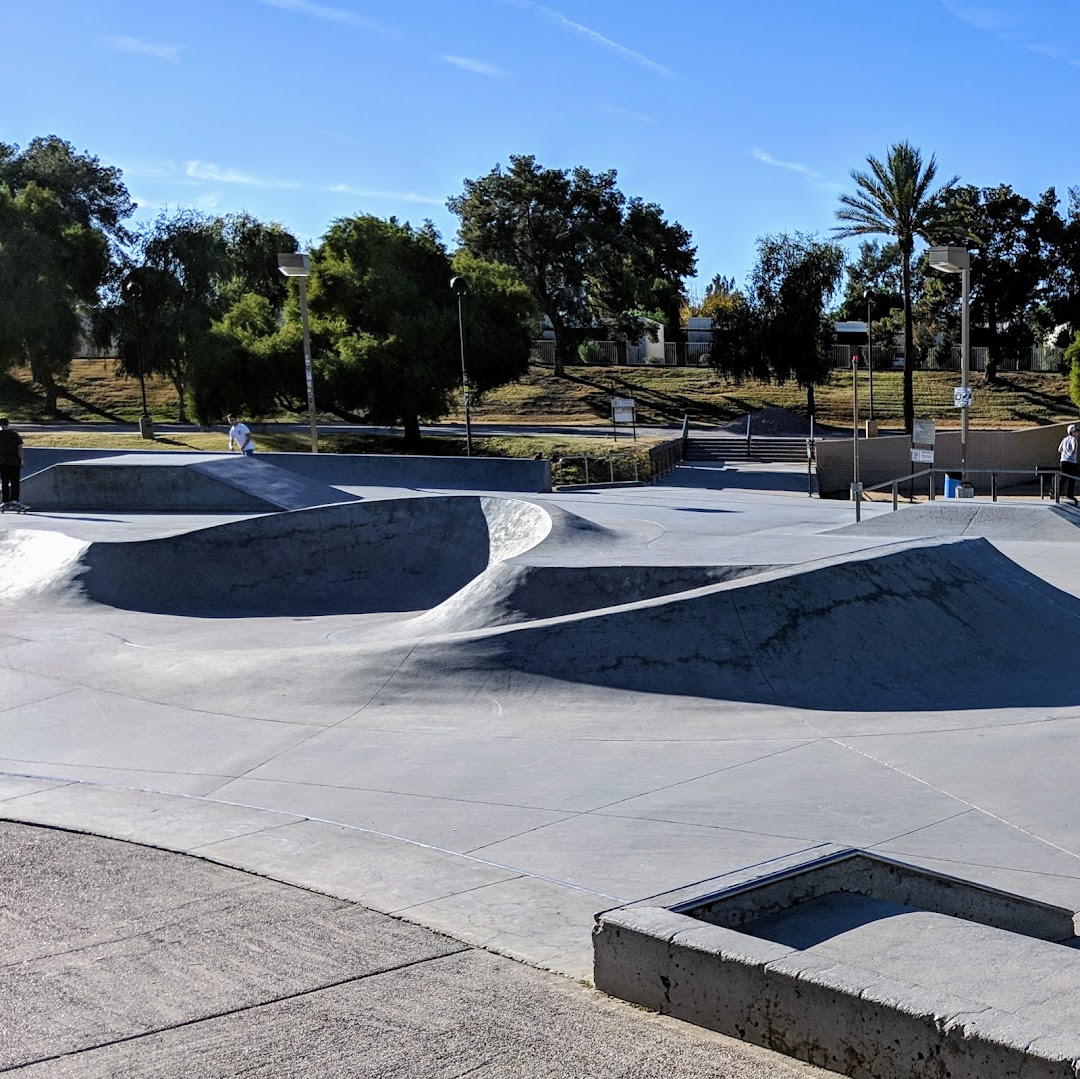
(121, 960)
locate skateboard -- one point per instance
(13, 507)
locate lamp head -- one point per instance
(459, 286)
(294, 265)
(132, 288)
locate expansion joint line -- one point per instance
(236, 1011)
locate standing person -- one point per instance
(11, 466)
(1067, 452)
(240, 436)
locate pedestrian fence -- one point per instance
(596, 468)
(1047, 477)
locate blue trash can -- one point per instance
(952, 484)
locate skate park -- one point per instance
(497, 714)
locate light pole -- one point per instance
(951, 259)
(299, 266)
(133, 291)
(855, 424)
(460, 288)
(868, 296)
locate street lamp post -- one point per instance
(868, 296)
(951, 259)
(299, 266)
(460, 288)
(133, 291)
(855, 422)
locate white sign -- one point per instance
(922, 457)
(924, 433)
(624, 415)
(961, 396)
(622, 402)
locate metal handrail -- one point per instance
(609, 457)
(1040, 472)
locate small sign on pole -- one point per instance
(924, 432)
(962, 396)
(922, 457)
(623, 410)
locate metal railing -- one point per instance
(1040, 474)
(937, 358)
(609, 459)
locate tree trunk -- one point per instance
(51, 404)
(411, 432)
(909, 341)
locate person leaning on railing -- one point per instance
(1067, 452)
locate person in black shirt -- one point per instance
(11, 465)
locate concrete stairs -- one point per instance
(738, 448)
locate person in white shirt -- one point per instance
(240, 436)
(1067, 452)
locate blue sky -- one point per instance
(739, 119)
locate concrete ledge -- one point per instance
(669, 954)
(360, 469)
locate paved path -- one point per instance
(122, 960)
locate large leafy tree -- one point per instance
(792, 283)
(50, 270)
(592, 259)
(897, 198)
(61, 244)
(386, 329)
(211, 298)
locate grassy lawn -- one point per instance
(94, 393)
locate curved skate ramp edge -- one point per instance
(40, 566)
(950, 624)
(404, 554)
(521, 591)
(952, 517)
(175, 483)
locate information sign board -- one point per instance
(922, 457)
(961, 396)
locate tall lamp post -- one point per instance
(951, 259)
(855, 426)
(460, 288)
(133, 291)
(868, 296)
(299, 266)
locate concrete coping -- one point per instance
(758, 891)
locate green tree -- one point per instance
(896, 198)
(385, 322)
(593, 260)
(791, 285)
(212, 298)
(63, 218)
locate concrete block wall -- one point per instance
(888, 457)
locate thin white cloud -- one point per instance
(204, 170)
(812, 176)
(981, 16)
(617, 110)
(1008, 27)
(594, 36)
(122, 43)
(332, 14)
(388, 196)
(477, 67)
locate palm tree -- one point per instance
(894, 199)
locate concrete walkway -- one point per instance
(122, 960)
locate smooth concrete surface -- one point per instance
(507, 762)
(412, 472)
(123, 960)
(174, 483)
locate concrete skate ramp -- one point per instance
(395, 555)
(953, 517)
(175, 483)
(521, 591)
(952, 624)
